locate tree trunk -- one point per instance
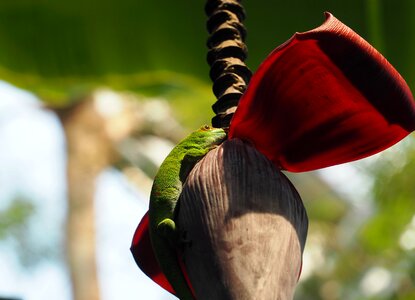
(89, 151)
(245, 227)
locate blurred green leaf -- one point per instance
(394, 193)
(15, 216)
(321, 201)
(60, 47)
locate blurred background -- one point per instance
(93, 95)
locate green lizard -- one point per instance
(165, 193)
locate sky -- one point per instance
(32, 165)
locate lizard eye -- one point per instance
(205, 128)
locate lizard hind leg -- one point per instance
(167, 229)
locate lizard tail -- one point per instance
(174, 269)
(146, 260)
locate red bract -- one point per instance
(323, 98)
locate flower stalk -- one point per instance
(226, 57)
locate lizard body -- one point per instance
(165, 193)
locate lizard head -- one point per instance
(207, 137)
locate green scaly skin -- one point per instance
(165, 193)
